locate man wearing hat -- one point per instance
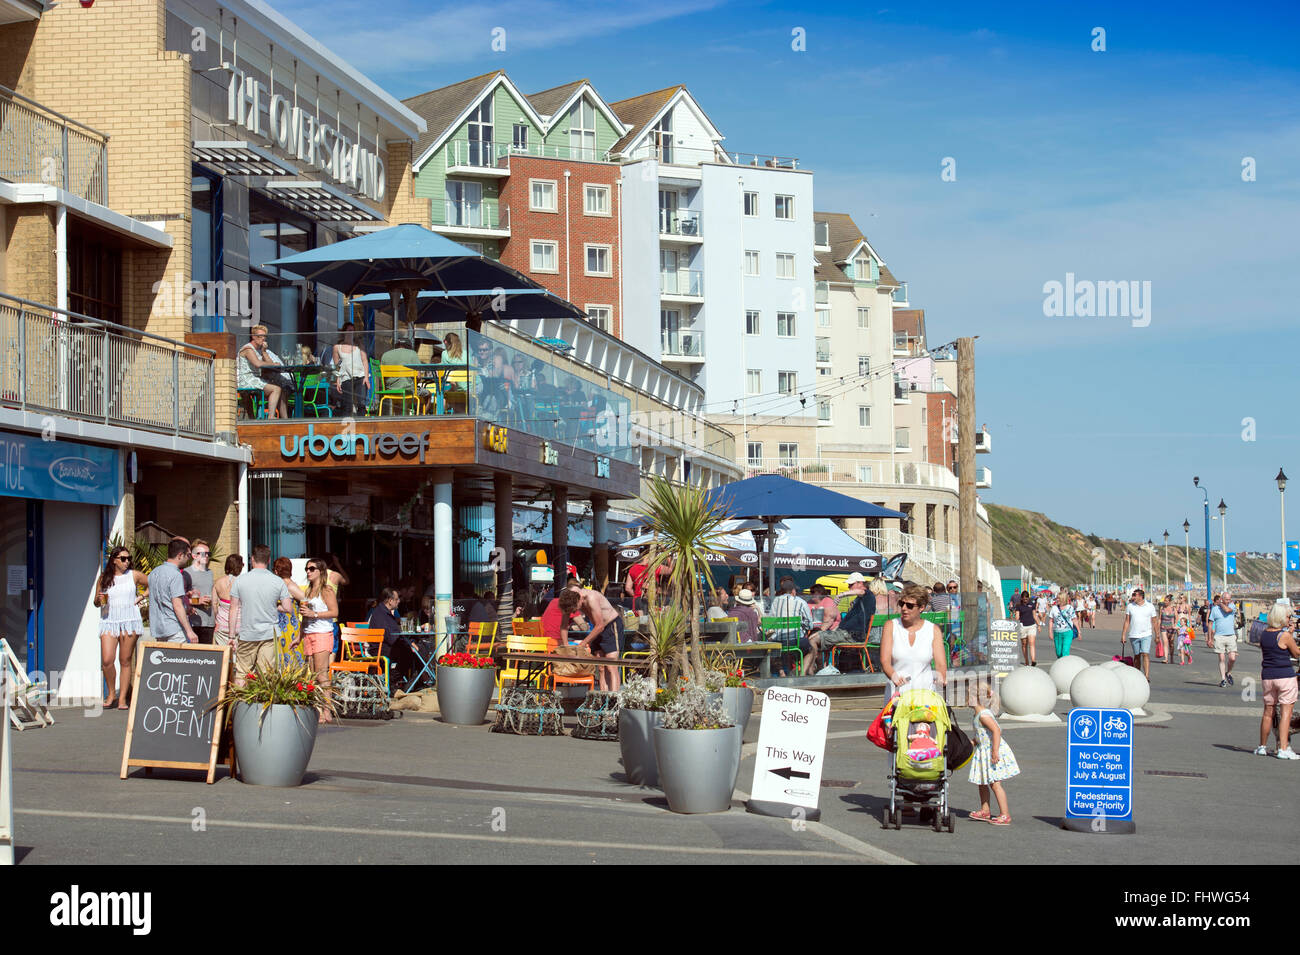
(856, 624)
(743, 610)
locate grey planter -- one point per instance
(738, 701)
(273, 750)
(697, 768)
(637, 746)
(464, 694)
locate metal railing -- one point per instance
(764, 160)
(70, 364)
(851, 471)
(460, 214)
(681, 222)
(822, 293)
(682, 282)
(682, 343)
(900, 293)
(823, 350)
(38, 145)
(467, 154)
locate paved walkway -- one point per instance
(416, 790)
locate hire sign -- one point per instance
(350, 445)
(298, 131)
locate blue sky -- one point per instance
(1117, 165)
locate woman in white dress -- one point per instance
(253, 357)
(353, 367)
(120, 624)
(912, 652)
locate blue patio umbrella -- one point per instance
(498, 303)
(772, 498)
(401, 261)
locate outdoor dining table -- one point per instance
(426, 661)
(439, 373)
(535, 665)
(299, 375)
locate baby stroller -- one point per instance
(917, 737)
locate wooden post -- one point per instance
(969, 553)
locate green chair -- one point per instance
(770, 624)
(257, 400)
(315, 396)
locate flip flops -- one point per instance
(981, 815)
(1002, 820)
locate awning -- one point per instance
(241, 159)
(809, 544)
(321, 201)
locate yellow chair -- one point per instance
(395, 388)
(519, 643)
(456, 400)
(478, 634)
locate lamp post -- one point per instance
(1187, 552)
(1281, 493)
(1166, 562)
(1223, 530)
(1209, 585)
(1151, 561)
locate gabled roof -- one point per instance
(910, 320)
(548, 101)
(887, 278)
(825, 270)
(845, 236)
(555, 103)
(446, 108)
(640, 113)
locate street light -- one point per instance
(1187, 553)
(1151, 558)
(1281, 493)
(1223, 529)
(1209, 584)
(1166, 562)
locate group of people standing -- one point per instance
(263, 613)
(1066, 612)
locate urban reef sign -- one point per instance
(496, 439)
(350, 446)
(298, 131)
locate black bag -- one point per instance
(957, 747)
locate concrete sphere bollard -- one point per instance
(1097, 687)
(1136, 688)
(1028, 691)
(1065, 669)
(1114, 665)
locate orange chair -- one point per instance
(356, 658)
(478, 634)
(533, 629)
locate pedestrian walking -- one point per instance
(1278, 647)
(1221, 636)
(168, 616)
(320, 610)
(1064, 625)
(221, 623)
(1168, 633)
(120, 624)
(200, 591)
(1090, 608)
(993, 762)
(1139, 629)
(1028, 618)
(257, 600)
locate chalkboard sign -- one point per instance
(172, 722)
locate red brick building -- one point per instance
(564, 232)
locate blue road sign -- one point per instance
(1293, 555)
(1099, 782)
(1232, 563)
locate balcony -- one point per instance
(682, 345)
(823, 351)
(900, 294)
(983, 477)
(681, 225)
(902, 439)
(763, 160)
(64, 363)
(822, 295)
(822, 236)
(38, 145)
(492, 160)
(687, 284)
(850, 471)
(483, 219)
(983, 442)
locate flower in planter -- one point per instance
(292, 684)
(691, 711)
(465, 661)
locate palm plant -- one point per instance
(687, 531)
(667, 641)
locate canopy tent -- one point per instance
(772, 498)
(813, 545)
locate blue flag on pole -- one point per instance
(1293, 555)
(1232, 563)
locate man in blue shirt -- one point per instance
(1221, 635)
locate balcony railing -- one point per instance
(681, 222)
(900, 293)
(682, 343)
(823, 351)
(850, 471)
(38, 145)
(766, 161)
(822, 293)
(682, 282)
(471, 215)
(474, 154)
(64, 363)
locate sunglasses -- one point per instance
(312, 567)
(199, 553)
(908, 604)
(123, 557)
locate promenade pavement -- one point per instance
(416, 790)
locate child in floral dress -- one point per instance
(993, 760)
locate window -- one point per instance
(542, 195)
(786, 382)
(864, 365)
(598, 260)
(864, 473)
(754, 451)
(751, 262)
(785, 324)
(789, 453)
(479, 132)
(902, 441)
(785, 265)
(753, 324)
(923, 416)
(544, 256)
(864, 317)
(596, 200)
(824, 369)
(582, 131)
(862, 268)
(751, 204)
(465, 204)
(753, 382)
(824, 411)
(785, 207)
(599, 315)
(823, 318)
(519, 142)
(864, 416)
(473, 246)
